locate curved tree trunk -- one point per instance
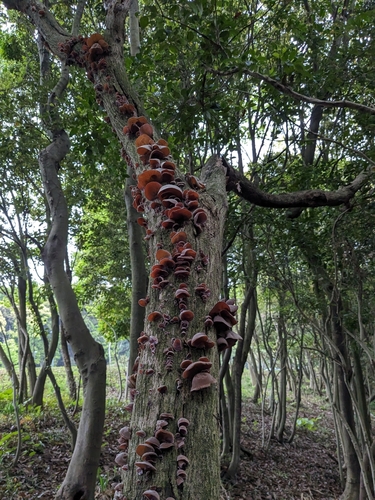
(352, 485)
(81, 476)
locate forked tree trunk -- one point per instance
(79, 482)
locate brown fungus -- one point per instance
(151, 190)
(144, 448)
(170, 191)
(125, 433)
(151, 495)
(195, 368)
(154, 442)
(143, 302)
(201, 381)
(155, 316)
(164, 436)
(182, 462)
(201, 341)
(183, 421)
(145, 466)
(150, 456)
(186, 315)
(148, 176)
(121, 458)
(166, 416)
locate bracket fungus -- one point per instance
(201, 341)
(151, 495)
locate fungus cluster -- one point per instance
(222, 318)
(159, 193)
(199, 374)
(123, 441)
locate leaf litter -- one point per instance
(306, 469)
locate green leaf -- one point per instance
(144, 22)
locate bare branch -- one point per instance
(284, 89)
(78, 16)
(311, 198)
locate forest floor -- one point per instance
(303, 470)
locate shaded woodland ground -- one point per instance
(304, 470)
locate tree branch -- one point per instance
(284, 89)
(51, 31)
(311, 198)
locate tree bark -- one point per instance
(201, 445)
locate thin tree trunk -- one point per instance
(138, 268)
(9, 368)
(81, 476)
(67, 364)
(50, 347)
(255, 375)
(242, 350)
(281, 407)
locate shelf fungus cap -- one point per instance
(155, 316)
(222, 344)
(151, 190)
(197, 367)
(150, 456)
(170, 191)
(153, 442)
(218, 308)
(144, 448)
(125, 433)
(164, 436)
(151, 495)
(166, 446)
(182, 461)
(201, 341)
(186, 315)
(231, 337)
(166, 416)
(145, 466)
(183, 421)
(202, 381)
(121, 458)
